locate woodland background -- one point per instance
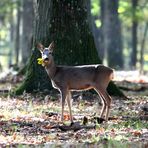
(119, 29)
(112, 32)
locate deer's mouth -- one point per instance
(46, 60)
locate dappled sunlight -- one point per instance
(35, 122)
(131, 76)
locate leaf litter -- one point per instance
(34, 120)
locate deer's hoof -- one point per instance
(99, 120)
(72, 123)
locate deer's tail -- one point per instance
(111, 77)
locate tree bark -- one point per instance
(72, 33)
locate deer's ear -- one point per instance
(40, 47)
(51, 46)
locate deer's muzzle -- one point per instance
(45, 58)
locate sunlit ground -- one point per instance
(131, 76)
(25, 120)
(28, 122)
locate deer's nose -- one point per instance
(45, 57)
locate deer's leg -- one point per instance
(103, 102)
(63, 97)
(109, 100)
(69, 105)
(103, 107)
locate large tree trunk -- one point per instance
(111, 33)
(65, 23)
(27, 29)
(72, 33)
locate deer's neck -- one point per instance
(51, 69)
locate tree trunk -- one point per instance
(111, 29)
(134, 34)
(65, 23)
(27, 29)
(102, 12)
(93, 28)
(12, 28)
(142, 48)
(17, 39)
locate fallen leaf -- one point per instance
(2, 116)
(66, 117)
(136, 133)
(14, 136)
(101, 130)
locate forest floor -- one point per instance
(34, 119)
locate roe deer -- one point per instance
(67, 78)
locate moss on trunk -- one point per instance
(114, 90)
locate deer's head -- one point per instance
(46, 52)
